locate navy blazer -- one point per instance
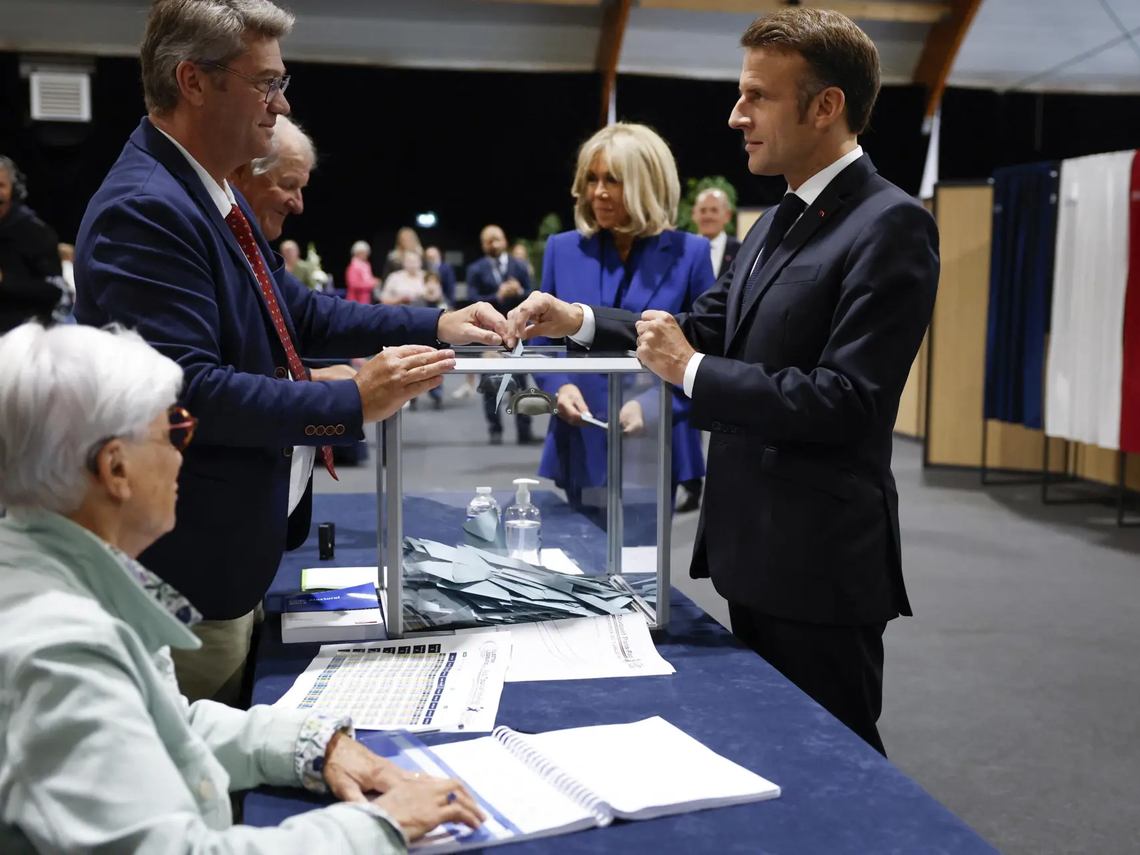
(483, 284)
(800, 387)
(674, 269)
(155, 255)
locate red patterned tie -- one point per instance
(244, 234)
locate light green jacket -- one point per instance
(99, 752)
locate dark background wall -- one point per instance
(480, 147)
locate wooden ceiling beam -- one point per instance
(908, 11)
(942, 44)
(609, 50)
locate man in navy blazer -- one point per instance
(166, 247)
(795, 361)
(503, 281)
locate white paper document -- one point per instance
(333, 578)
(452, 683)
(582, 649)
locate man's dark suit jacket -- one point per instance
(483, 284)
(731, 250)
(800, 388)
(155, 254)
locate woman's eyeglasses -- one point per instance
(181, 429)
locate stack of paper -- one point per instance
(348, 614)
(468, 586)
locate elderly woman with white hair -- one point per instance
(625, 253)
(99, 751)
(358, 278)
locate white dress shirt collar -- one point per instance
(718, 244)
(809, 191)
(223, 196)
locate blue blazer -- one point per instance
(674, 269)
(482, 284)
(154, 254)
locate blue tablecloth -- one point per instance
(839, 796)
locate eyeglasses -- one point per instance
(271, 87)
(181, 429)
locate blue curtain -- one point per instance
(1021, 278)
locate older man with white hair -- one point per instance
(273, 185)
(168, 247)
(712, 213)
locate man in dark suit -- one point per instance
(795, 361)
(168, 248)
(504, 282)
(31, 276)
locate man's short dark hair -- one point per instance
(838, 54)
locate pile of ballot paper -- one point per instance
(465, 586)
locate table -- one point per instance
(839, 795)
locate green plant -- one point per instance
(551, 225)
(693, 188)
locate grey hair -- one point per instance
(717, 194)
(212, 31)
(286, 132)
(63, 391)
(361, 246)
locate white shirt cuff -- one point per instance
(691, 373)
(585, 334)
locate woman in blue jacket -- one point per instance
(625, 253)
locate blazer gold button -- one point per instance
(339, 430)
(310, 430)
(330, 430)
(288, 452)
(320, 430)
(281, 373)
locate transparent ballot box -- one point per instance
(588, 535)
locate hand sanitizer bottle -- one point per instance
(484, 501)
(523, 524)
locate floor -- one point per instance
(1012, 696)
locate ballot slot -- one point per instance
(446, 570)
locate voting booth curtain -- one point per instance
(1021, 278)
(1085, 374)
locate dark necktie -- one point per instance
(239, 225)
(789, 210)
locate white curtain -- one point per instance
(1086, 342)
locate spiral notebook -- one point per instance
(540, 785)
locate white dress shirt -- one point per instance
(718, 245)
(809, 191)
(223, 198)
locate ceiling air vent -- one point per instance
(61, 96)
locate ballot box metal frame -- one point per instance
(534, 361)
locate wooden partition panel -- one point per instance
(957, 355)
(911, 420)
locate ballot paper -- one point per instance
(582, 649)
(334, 578)
(452, 683)
(559, 562)
(507, 377)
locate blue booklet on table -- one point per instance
(545, 784)
(328, 617)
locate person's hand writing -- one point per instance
(543, 314)
(478, 323)
(662, 347)
(423, 803)
(632, 419)
(571, 405)
(334, 372)
(352, 771)
(398, 374)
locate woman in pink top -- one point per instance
(358, 278)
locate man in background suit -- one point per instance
(167, 248)
(503, 281)
(712, 213)
(795, 361)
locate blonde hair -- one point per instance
(642, 162)
(403, 232)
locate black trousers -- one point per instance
(839, 667)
